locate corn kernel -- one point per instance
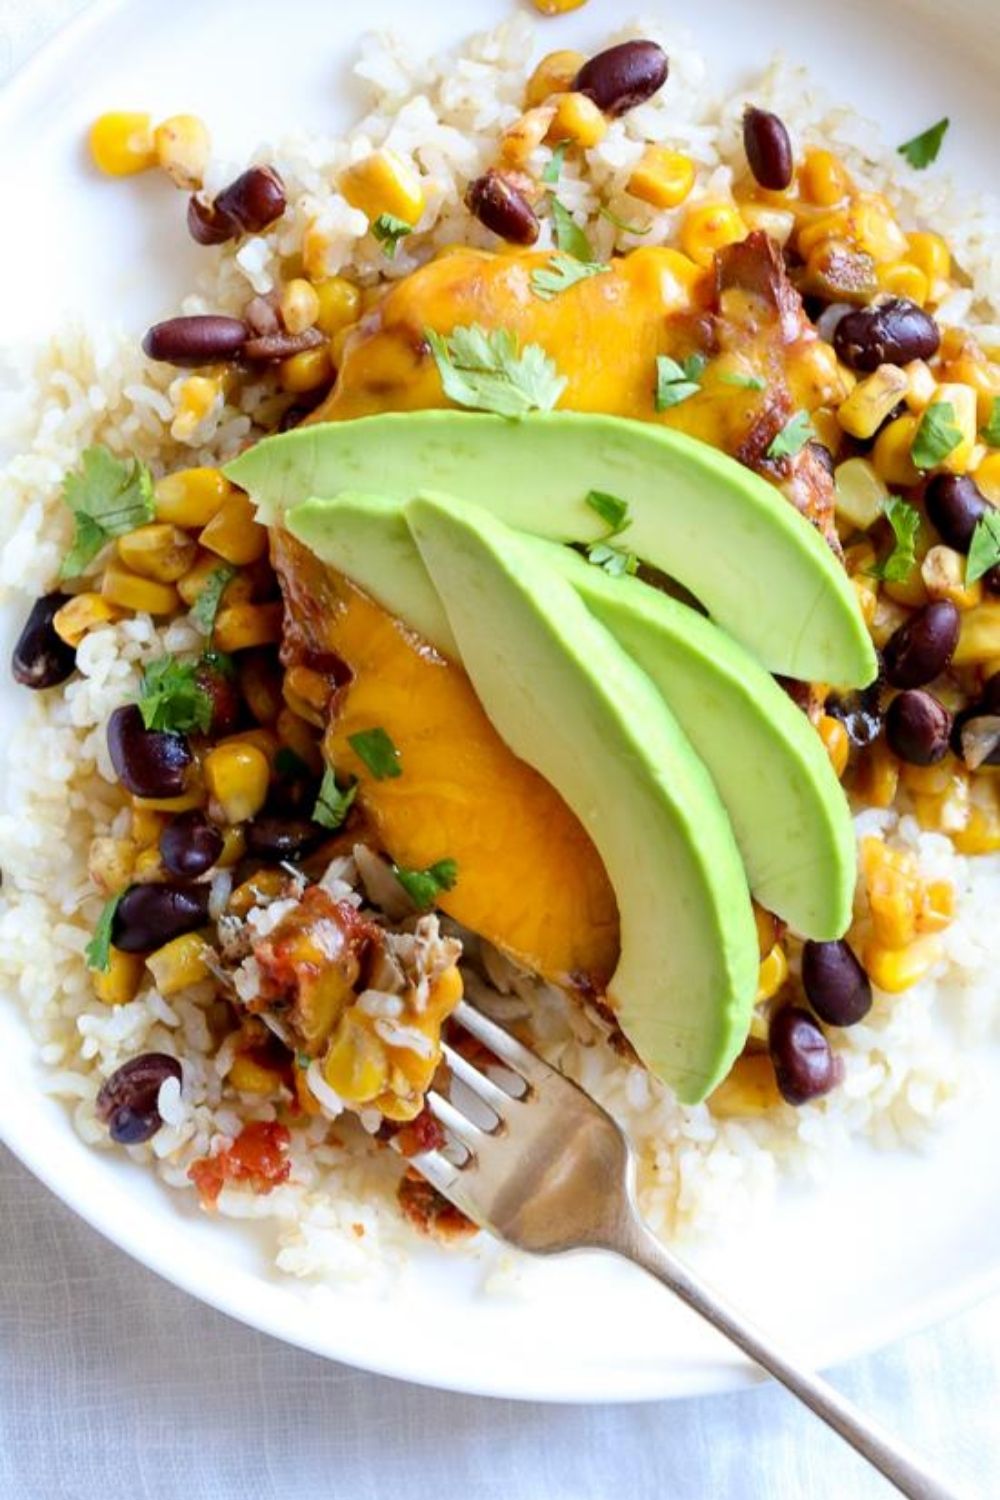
(663, 177)
(307, 694)
(250, 1077)
(264, 740)
(110, 863)
(767, 930)
(262, 886)
(823, 179)
(238, 777)
(871, 401)
(299, 736)
(146, 826)
(837, 742)
(878, 780)
(921, 385)
(240, 626)
(121, 980)
(180, 963)
(772, 974)
(874, 229)
(383, 183)
(749, 1089)
(555, 74)
(521, 139)
(260, 684)
(121, 143)
(190, 497)
(234, 533)
(943, 572)
(891, 453)
(931, 254)
(339, 304)
(190, 586)
(158, 551)
(195, 797)
(986, 475)
(860, 494)
(896, 970)
(143, 595)
(709, 227)
(886, 619)
(901, 279)
(355, 1065)
(197, 398)
(306, 371)
(577, 119)
(81, 614)
(234, 847)
(299, 305)
(979, 635)
(557, 7)
(962, 400)
(813, 235)
(183, 146)
(148, 867)
(777, 223)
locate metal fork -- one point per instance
(554, 1172)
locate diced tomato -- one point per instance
(257, 1156)
(422, 1134)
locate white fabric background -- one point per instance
(114, 1384)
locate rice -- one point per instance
(906, 1065)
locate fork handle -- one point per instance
(903, 1469)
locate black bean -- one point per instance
(503, 208)
(922, 647)
(147, 762)
(768, 148)
(42, 658)
(128, 1101)
(274, 346)
(249, 204)
(804, 1065)
(220, 685)
(918, 728)
(860, 712)
(202, 339)
(623, 76)
(886, 333)
(955, 506)
(147, 916)
(271, 836)
(207, 226)
(837, 987)
(190, 845)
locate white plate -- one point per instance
(896, 1240)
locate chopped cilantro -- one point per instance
(676, 382)
(303, 1061)
(612, 511)
(923, 149)
(172, 698)
(991, 432)
(332, 804)
(219, 661)
(561, 273)
(389, 230)
(792, 438)
(625, 227)
(553, 171)
(570, 238)
(424, 886)
(491, 372)
(744, 382)
(936, 437)
(615, 561)
(206, 606)
(905, 522)
(109, 497)
(379, 754)
(984, 551)
(98, 950)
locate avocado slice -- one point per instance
(567, 699)
(789, 814)
(762, 572)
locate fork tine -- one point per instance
(491, 1093)
(502, 1045)
(439, 1172)
(464, 1129)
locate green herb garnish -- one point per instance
(905, 522)
(172, 698)
(984, 550)
(936, 437)
(553, 171)
(290, 766)
(923, 148)
(612, 511)
(570, 238)
(389, 230)
(98, 950)
(991, 432)
(332, 804)
(561, 273)
(792, 438)
(676, 382)
(424, 886)
(491, 372)
(379, 754)
(206, 606)
(744, 382)
(636, 229)
(109, 497)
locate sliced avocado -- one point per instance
(762, 572)
(567, 699)
(789, 814)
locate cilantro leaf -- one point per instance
(332, 804)
(561, 273)
(206, 606)
(905, 522)
(744, 382)
(490, 372)
(792, 438)
(615, 561)
(991, 432)
(553, 171)
(389, 230)
(172, 698)
(379, 754)
(570, 238)
(677, 382)
(108, 497)
(424, 886)
(636, 229)
(923, 149)
(98, 950)
(936, 437)
(984, 550)
(612, 511)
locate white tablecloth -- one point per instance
(113, 1384)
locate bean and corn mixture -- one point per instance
(244, 852)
